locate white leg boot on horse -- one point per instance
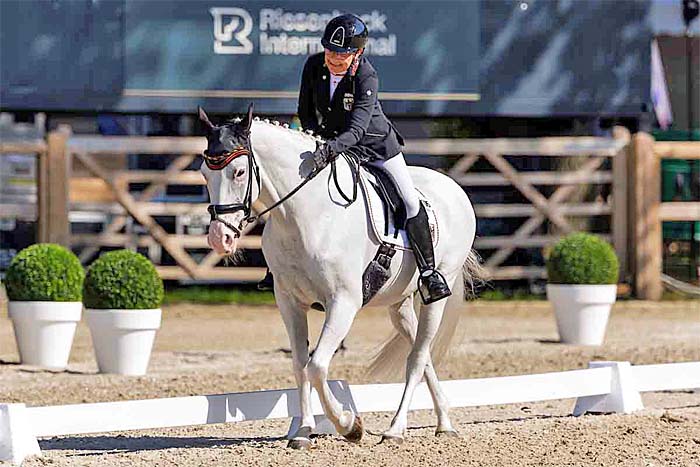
(403, 317)
(340, 314)
(294, 317)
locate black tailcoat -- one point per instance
(350, 118)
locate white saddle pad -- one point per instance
(375, 215)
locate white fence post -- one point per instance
(624, 396)
(16, 438)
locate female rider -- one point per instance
(338, 101)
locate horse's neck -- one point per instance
(277, 151)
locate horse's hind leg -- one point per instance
(339, 317)
(403, 317)
(418, 358)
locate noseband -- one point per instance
(218, 210)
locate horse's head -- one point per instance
(232, 180)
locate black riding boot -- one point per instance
(267, 283)
(431, 284)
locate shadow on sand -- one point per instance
(125, 444)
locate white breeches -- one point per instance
(398, 171)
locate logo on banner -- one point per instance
(282, 32)
(232, 26)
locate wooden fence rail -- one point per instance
(590, 154)
(648, 212)
(51, 213)
(100, 185)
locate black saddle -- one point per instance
(391, 199)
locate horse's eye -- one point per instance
(239, 172)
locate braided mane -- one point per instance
(298, 131)
(275, 123)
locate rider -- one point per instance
(338, 101)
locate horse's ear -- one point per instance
(204, 118)
(248, 120)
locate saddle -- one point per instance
(386, 214)
(389, 196)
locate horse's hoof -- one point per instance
(391, 439)
(356, 431)
(446, 433)
(301, 444)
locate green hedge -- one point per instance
(582, 258)
(45, 272)
(123, 280)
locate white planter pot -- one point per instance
(582, 311)
(123, 339)
(44, 331)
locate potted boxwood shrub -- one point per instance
(122, 295)
(583, 272)
(44, 286)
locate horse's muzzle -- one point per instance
(221, 239)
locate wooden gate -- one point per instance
(93, 151)
(591, 153)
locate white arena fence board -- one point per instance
(605, 387)
(264, 405)
(100, 417)
(667, 377)
(489, 391)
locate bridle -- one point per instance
(220, 162)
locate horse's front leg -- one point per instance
(339, 316)
(294, 317)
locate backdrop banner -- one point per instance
(456, 57)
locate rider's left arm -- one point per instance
(365, 100)
(305, 107)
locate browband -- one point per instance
(218, 163)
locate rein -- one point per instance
(353, 161)
(219, 163)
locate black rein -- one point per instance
(217, 210)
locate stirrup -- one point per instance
(432, 286)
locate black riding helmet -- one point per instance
(345, 34)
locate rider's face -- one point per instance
(338, 63)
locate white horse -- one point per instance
(318, 246)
